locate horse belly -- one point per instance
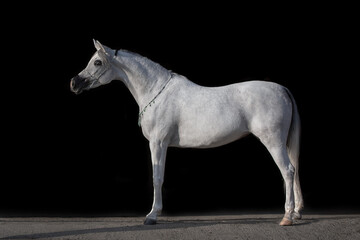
(211, 128)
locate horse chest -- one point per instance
(157, 124)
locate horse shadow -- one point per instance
(162, 224)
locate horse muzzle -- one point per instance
(78, 84)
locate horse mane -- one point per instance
(144, 60)
(130, 52)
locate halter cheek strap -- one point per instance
(104, 70)
(97, 77)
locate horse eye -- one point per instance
(97, 63)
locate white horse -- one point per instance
(175, 112)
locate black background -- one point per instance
(85, 154)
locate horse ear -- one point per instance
(101, 47)
(98, 45)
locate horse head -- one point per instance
(99, 70)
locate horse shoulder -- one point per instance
(158, 120)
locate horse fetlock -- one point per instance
(299, 205)
(155, 211)
(296, 215)
(289, 213)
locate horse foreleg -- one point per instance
(158, 158)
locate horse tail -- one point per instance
(293, 148)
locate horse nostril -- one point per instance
(72, 84)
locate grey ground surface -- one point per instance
(240, 226)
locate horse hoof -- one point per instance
(297, 216)
(149, 221)
(286, 222)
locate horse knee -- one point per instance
(158, 181)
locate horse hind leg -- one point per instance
(278, 151)
(287, 170)
(299, 205)
(299, 202)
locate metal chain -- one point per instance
(141, 113)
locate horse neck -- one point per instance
(143, 77)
